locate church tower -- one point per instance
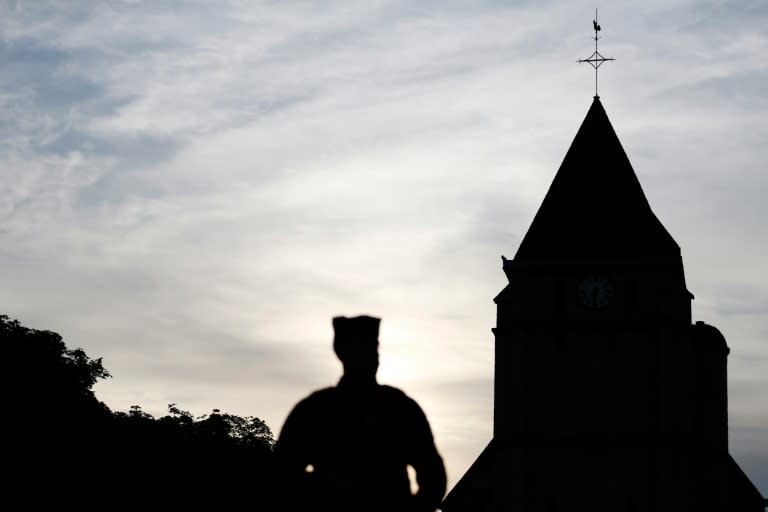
(607, 396)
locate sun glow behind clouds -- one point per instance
(397, 364)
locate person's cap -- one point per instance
(355, 330)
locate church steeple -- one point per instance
(605, 396)
(595, 208)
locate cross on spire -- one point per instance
(596, 59)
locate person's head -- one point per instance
(356, 343)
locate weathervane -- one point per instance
(596, 60)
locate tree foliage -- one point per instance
(41, 362)
(226, 455)
(63, 441)
(58, 427)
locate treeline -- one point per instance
(66, 450)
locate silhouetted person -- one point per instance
(347, 448)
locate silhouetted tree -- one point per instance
(66, 450)
(189, 463)
(56, 428)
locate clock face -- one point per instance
(595, 291)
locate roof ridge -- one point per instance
(595, 207)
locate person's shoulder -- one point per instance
(406, 409)
(398, 395)
(315, 399)
(320, 395)
(392, 391)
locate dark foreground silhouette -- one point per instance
(608, 397)
(347, 448)
(63, 449)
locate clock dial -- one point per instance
(595, 291)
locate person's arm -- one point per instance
(426, 461)
(290, 458)
(289, 449)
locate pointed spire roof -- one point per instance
(595, 208)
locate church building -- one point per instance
(607, 397)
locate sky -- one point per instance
(192, 190)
